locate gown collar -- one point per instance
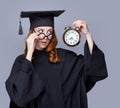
(39, 52)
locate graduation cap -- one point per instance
(39, 18)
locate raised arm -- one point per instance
(83, 27)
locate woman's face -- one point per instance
(45, 34)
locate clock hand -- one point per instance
(71, 38)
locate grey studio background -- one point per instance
(103, 19)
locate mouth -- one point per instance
(43, 42)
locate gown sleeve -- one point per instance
(95, 66)
(23, 84)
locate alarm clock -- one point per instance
(71, 36)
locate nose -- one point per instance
(45, 37)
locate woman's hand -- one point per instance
(31, 43)
(82, 25)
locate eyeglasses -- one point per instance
(42, 35)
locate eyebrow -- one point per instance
(43, 29)
(47, 30)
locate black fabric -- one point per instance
(42, 84)
(41, 18)
(41, 21)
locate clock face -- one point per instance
(71, 37)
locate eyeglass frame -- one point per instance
(45, 35)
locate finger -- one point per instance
(35, 37)
(31, 38)
(35, 33)
(81, 25)
(74, 23)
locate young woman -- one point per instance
(49, 77)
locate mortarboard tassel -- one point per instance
(20, 28)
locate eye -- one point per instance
(40, 31)
(49, 32)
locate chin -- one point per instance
(43, 47)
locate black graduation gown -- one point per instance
(42, 84)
